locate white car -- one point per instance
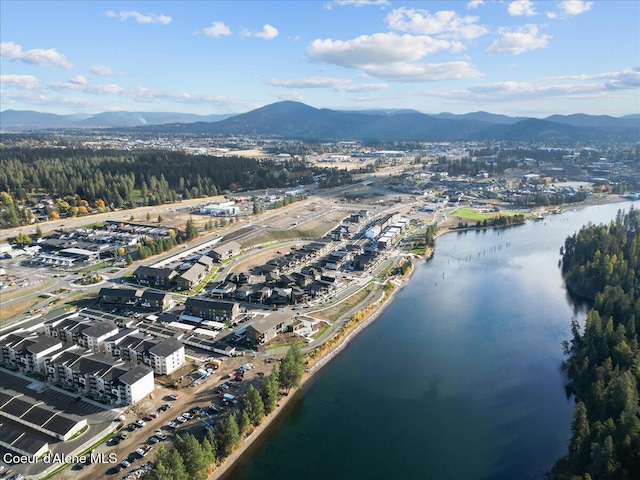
(140, 423)
(141, 452)
(173, 396)
(181, 419)
(187, 415)
(172, 424)
(160, 435)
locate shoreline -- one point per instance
(232, 459)
(227, 465)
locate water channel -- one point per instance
(459, 379)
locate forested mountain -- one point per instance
(603, 363)
(297, 120)
(84, 180)
(27, 119)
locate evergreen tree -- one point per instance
(253, 406)
(244, 424)
(270, 391)
(230, 438)
(191, 231)
(291, 369)
(168, 466)
(196, 462)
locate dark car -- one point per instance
(195, 410)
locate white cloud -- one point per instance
(25, 82)
(268, 33)
(520, 8)
(217, 29)
(443, 23)
(522, 40)
(575, 7)
(102, 70)
(76, 85)
(423, 72)
(38, 56)
(78, 80)
(473, 4)
(336, 84)
(376, 49)
(359, 3)
(123, 16)
(608, 85)
(552, 15)
(289, 95)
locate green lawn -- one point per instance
(474, 215)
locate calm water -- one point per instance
(460, 378)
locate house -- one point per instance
(206, 261)
(94, 336)
(243, 293)
(119, 296)
(134, 385)
(192, 277)
(225, 251)
(105, 379)
(156, 300)
(266, 328)
(223, 290)
(68, 328)
(212, 309)
(167, 356)
(27, 351)
(155, 277)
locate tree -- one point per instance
(148, 216)
(253, 406)
(191, 231)
(22, 239)
(195, 461)
(270, 391)
(129, 260)
(229, 435)
(291, 369)
(160, 219)
(256, 207)
(38, 232)
(168, 466)
(244, 424)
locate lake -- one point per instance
(459, 378)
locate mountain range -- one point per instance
(300, 121)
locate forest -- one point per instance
(83, 180)
(601, 262)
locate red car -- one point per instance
(148, 418)
(239, 378)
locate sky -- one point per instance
(523, 57)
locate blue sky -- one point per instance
(522, 57)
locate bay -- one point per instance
(459, 378)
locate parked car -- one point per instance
(125, 463)
(141, 452)
(195, 410)
(172, 424)
(181, 419)
(160, 435)
(132, 427)
(140, 423)
(173, 396)
(153, 439)
(148, 418)
(187, 415)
